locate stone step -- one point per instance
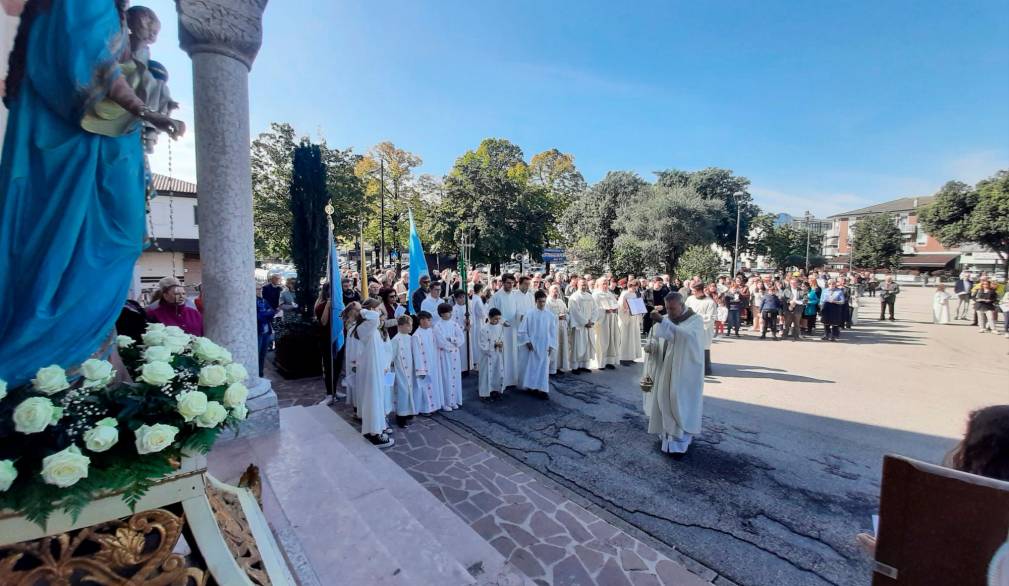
(338, 543)
(413, 551)
(482, 561)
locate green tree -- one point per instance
(489, 192)
(783, 246)
(272, 172)
(555, 172)
(699, 260)
(395, 166)
(877, 242)
(961, 214)
(308, 198)
(589, 225)
(271, 191)
(731, 191)
(660, 225)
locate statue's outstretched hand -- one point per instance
(170, 126)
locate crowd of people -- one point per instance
(978, 297)
(516, 331)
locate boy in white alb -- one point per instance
(492, 357)
(467, 355)
(428, 396)
(450, 339)
(402, 368)
(369, 376)
(537, 337)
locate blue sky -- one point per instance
(824, 106)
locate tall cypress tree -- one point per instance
(309, 197)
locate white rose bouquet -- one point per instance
(70, 433)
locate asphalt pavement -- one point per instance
(787, 469)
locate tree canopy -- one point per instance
(272, 158)
(699, 260)
(961, 214)
(877, 243)
(783, 246)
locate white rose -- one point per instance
(51, 379)
(235, 395)
(155, 327)
(225, 356)
(213, 416)
(174, 331)
(191, 404)
(125, 341)
(65, 468)
(157, 354)
(154, 337)
(206, 350)
(240, 412)
(157, 373)
(3, 388)
(176, 344)
(236, 373)
(102, 436)
(34, 414)
(213, 376)
(7, 474)
(154, 438)
(97, 373)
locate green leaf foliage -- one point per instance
(877, 243)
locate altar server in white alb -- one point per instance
(509, 302)
(525, 305)
(492, 357)
(679, 377)
(433, 300)
(630, 325)
(583, 312)
(607, 327)
(351, 349)
(477, 317)
(538, 341)
(560, 360)
(467, 354)
(705, 307)
(428, 396)
(450, 339)
(401, 347)
(369, 379)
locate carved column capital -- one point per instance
(227, 27)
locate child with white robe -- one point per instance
(477, 317)
(428, 396)
(459, 307)
(369, 377)
(492, 357)
(350, 352)
(537, 337)
(402, 367)
(450, 339)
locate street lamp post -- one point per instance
(382, 214)
(735, 250)
(807, 242)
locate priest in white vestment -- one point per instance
(607, 327)
(679, 379)
(537, 337)
(560, 360)
(583, 313)
(630, 325)
(510, 302)
(704, 306)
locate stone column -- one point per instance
(222, 37)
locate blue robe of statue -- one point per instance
(71, 202)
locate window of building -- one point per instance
(922, 237)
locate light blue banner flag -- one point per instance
(336, 294)
(418, 265)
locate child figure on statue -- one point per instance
(491, 357)
(450, 339)
(402, 368)
(428, 396)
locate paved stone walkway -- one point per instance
(551, 539)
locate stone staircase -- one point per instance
(346, 514)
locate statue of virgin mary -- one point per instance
(72, 200)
